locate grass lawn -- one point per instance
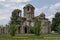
(30, 37)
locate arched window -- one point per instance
(28, 8)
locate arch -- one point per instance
(25, 29)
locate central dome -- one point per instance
(29, 5)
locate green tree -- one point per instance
(13, 23)
(32, 29)
(36, 28)
(56, 21)
(58, 28)
(12, 29)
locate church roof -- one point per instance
(42, 15)
(29, 5)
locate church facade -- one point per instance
(28, 20)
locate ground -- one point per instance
(30, 37)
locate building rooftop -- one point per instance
(29, 5)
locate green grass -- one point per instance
(30, 37)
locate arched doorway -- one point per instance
(25, 29)
(18, 29)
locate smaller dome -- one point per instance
(42, 15)
(17, 10)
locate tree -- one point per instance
(36, 28)
(56, 21)
(12, 29)
(13, 23)
(58, 28)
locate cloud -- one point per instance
(18, 1)
(49, 10)
(15, 1)
(7, 5)
(55, 7)
(2, 0)
(50, 17)
(43, 9)
(4, 19)
(5, 12)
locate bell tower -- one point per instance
(29, 12)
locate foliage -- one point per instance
(56, 21)
(15, 15)
(32, 29)
(36, 28)
(12, 29)
(13, 23)
(58, 28)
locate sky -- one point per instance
(48, 7)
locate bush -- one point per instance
(36, 28)
(58, 29)
(12, 29)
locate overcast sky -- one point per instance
(49, 7)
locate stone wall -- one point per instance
(3, 30)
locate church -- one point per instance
(28, 20)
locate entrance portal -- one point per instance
(19, 30)
(25, 29)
